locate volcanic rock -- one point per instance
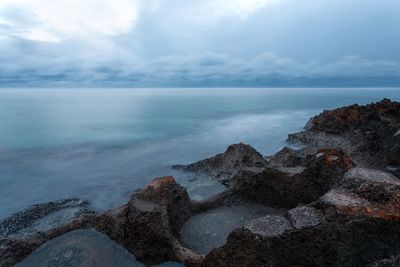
(368, 133)
(223, 167)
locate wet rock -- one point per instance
(25, 231)
(273, 187)
(303, 217)
(43, 217)
(366, 193)
(80, 248)
(223, 167)
(149, 224)
(368, 133)
(348, 243)
(269, 226)
(208, 230)
(286, 157)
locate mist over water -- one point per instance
(101, 145)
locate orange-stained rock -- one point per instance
(161, 181)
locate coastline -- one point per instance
(334, 203)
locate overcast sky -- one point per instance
(122, 43)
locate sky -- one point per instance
(199, 43)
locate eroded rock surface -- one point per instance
(269, 226)
(80, 248)
(223, 167)
(209, 230)
(273, 187)
(303, 217)
(43, 217)
(25, 231)
(368, 133)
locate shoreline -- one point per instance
(328, 190)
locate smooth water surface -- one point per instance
(102, 144)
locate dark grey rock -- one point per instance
(223, 167)
(303, 217)
(80, 248)
(43, 217)
(269, 226)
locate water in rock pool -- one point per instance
(86, 248)
(101, 145)
(209, 230)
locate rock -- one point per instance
(366, 193)
(223, 167)
(80, 248)
(368, 133)
(43, 217)
(303, 217)
(342, 198)
(370, 175)
(208, 230)
(148, 226)
(390, 262)
(25, 231)
(286, 157)
(339, 242)
(269, 226)
(278, 189)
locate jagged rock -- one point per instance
(339, 242)
(278, 189)
(148, 226)
(368, 133)
(366, 193)
(223, 167)
(287, 157)
(303, 217)
(80, 248)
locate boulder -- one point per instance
(368, 133)
(148, 226)
(223, 167)
(275, 188)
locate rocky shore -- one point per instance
(333, 202)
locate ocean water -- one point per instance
(102, 144)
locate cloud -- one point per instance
(241, 8)
(56, 20)
(199, 43)
(208, 69)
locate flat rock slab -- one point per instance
(43, 217)
(80, 248)
(372, 176)
(209, 230)
(269, 226)
(304, 217)
(342, 198)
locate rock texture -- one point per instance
(80, 248)
(148, 226)
(223, 167)
(25, 231)
(279, 189)
(368, 133)
(339, 205)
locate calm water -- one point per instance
(101, 144)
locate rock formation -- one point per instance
(338, 204)
(223, 167)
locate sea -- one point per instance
(101, 145)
